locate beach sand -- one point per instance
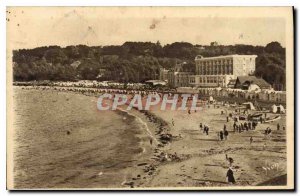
(205, 163)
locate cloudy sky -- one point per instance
(39, 26)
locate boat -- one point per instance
(257, 115)
(271, 119)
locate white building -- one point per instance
(218, 71)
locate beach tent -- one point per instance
(274, 108)
(249, 105)
(211, 99)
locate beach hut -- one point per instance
(249, 105)
(211, 99)
(274, 108)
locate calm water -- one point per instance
(100, 144)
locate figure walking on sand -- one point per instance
(221, 135)
(173, 123)
(207, 129)
(225, 134)
(230, 176)
(251, 140)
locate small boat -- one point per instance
(272, 119)
(257, 115)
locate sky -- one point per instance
(41, 26)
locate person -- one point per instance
(224, 128)
(269, 130)
(151, 140)
(278, 127)
(229, 159)
(265, 146)
(249, 125)
(221, 135)
(261, 120)
(266, 131)
(230, 176)
(251, 140)
(200, 126)
(240, 128)
(227, 118)
(173, 123)
(189, 111)
(225, 134)
(254, 125)
(218, 135)
(207, 129)
(246, 127)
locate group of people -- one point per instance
(246, 126)
(205, 128)
(222, 135)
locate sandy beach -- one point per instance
(190, 158)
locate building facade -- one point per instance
(211, 72)
(179, 76)
(163, 74)
(218, 71)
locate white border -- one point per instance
(3, 4)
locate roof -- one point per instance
(232, 82)
(252, 79)
(199, 57)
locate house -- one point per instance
(251, 83)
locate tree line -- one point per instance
(134, 61)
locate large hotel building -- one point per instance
(212, 71)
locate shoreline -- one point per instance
(140, 173)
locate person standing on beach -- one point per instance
(278, 127)
(230, 176)
(249, 125)
(251, 140)
(151, 140)
(207, 129)
(221, 135)
(261, 120)
(234, 126)
(227, 119)
(173, 123)
(200, 126)
(225, 134)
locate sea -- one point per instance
(61, 140)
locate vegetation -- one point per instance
(134, 61)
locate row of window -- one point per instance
(208, 80)
(215, 62)
(214, 70)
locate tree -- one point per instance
(274, 47)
